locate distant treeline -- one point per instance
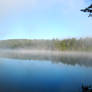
(82, 44)
(75, 44)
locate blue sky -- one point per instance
(44, 19)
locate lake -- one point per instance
(44, 75)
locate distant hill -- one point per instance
(55, 44)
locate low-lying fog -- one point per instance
(68, 57)
(45, 52)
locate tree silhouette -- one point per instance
(88, 9)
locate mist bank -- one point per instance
(66, 57)
(45, 52)
(73, 44)
(68, 47)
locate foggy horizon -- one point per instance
(45, 45)
(47, 38)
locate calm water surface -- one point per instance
(42, 76)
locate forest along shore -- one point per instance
(27, 48)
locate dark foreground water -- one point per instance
(43, 76)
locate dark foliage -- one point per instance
(88, 9)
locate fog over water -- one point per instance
(45, 46)
(67, 57)
(39, 70)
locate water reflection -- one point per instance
(42, 76)
(66, 59)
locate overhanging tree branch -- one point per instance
(88, 9)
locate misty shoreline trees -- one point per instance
(73, 44)
(76, 44)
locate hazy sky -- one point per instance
(48, 19)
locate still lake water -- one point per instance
(18, 75)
